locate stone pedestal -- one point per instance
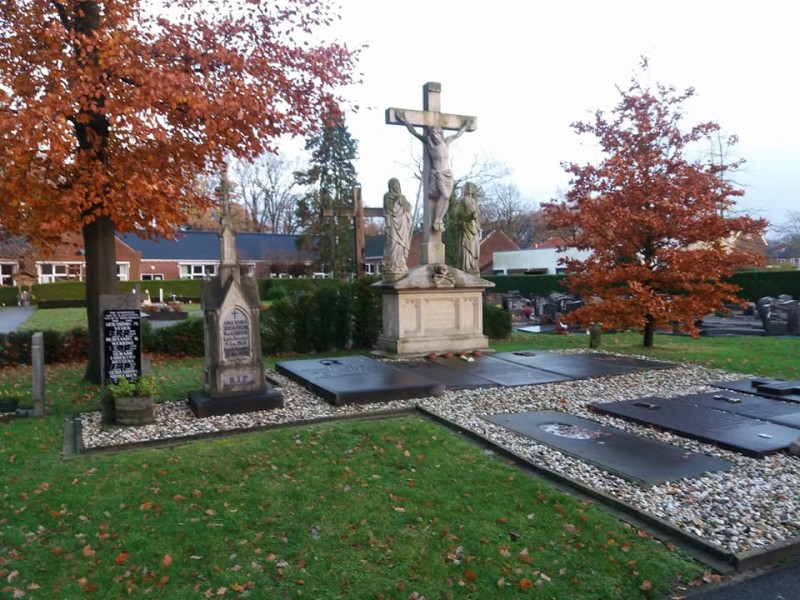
(434, 308)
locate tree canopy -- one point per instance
(110, 108)
(330, 179)
(651, 212)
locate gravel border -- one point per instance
(752, 508)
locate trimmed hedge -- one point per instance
(757, 284)
(8, 296)
(754, 284)
(59, 346)
(527, 285)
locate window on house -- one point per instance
(198, 271)
(122, 271)
(7, 274)
(51, 272)
(152, 277)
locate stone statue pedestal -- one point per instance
(433, 308)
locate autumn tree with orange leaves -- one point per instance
(109, 109)
(652, 218)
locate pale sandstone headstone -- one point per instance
(234, 379)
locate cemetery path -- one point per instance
(12, 317)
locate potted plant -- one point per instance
(133, 401)
(9, 399)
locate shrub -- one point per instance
(496, 322)
(144, 386)
(277, 327)
(59, 346)
(185, 338)
(367, 313)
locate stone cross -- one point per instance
(358, 212)
(431, 118)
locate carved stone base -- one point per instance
(433, 308)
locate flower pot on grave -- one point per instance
(132, 401)
(134, 410)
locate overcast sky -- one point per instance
(527, 69)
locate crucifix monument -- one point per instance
(437, 177)
(433, 307)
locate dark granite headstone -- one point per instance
(580, 365)
(358, 380)
(741, 434)
(122, 345)
(771, 388)
(624, 454)
(757, 407)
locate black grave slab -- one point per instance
(450, 378)
(757, 407)
(580, 365)
(788, 391)
(621, 453)
(500, 372)
(734, 432)
(358, 380)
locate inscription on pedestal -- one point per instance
(122, 345)
(234, 379)
(440, 314)
(235, 334)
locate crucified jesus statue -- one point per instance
(440, 180)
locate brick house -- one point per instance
(191, 255)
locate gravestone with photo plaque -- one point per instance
(234, 378)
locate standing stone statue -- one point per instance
(469, 248)
(397, 212)
(440, 182)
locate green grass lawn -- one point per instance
(370, 509)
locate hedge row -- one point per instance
(327, 318)
(754, 284)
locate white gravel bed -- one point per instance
(749, 507)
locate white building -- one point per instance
(542, 261)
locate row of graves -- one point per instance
(535, 313)
(772, 316)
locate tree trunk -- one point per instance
(101, 278)
(649, 331)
